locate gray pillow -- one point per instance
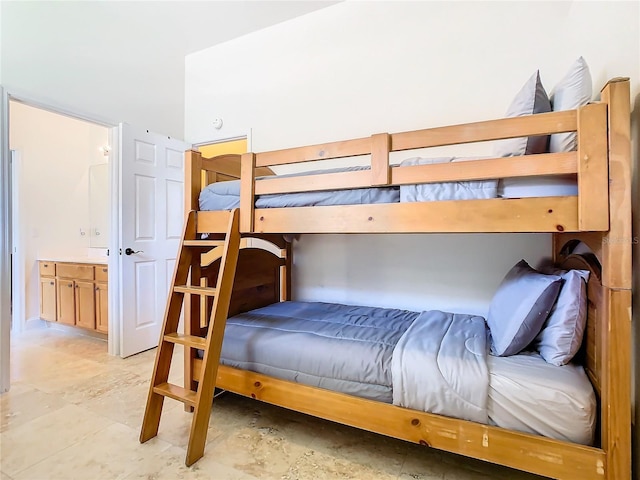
(573, 91)
(532, 98)
(520, 307)
(561, 336)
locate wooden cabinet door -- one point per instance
(48, 298)
(66, 302)
(102, 310)
(85, 305)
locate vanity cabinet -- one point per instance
(48, 291)
(85, 304)
(102, 299)
(74, 294)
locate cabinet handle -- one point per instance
(70, 285)
(50, 283)
(46, 265)
(97, 289)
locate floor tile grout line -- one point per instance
(57, 452)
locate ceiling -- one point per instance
(184, 26)
(122, 60)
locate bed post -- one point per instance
(617, 283)
(192, 188)
(193, 179)
(247, 191)
(285, 272)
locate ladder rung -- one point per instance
(188, 340)
(188, 397)
(203, 243)
(194, 289)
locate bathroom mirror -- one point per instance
(99, 205)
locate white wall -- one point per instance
(55, 153)
(359, 68)
(364, 67)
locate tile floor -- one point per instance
(74, 412)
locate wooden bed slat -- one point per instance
(524, 166)
(540, 124)
(346, 148)
(547, 214)
(227, 167)
(532, 453)
(314, 183)
(224, 164)
(529, 165)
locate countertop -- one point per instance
(79, 259)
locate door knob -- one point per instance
(128, 251)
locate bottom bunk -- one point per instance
(430, 361)
(423, 377)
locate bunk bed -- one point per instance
(598, 216)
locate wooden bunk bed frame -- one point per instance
(599, 216)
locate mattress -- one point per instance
(226, 195)
(530, 395)
(350, 349)
(540, 186)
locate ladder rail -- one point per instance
(217, 323)
(162, 364)
(197, 396)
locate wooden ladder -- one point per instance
(202, 398)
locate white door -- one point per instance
(151, 219)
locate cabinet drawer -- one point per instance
(75, 271)
(102, 273)
(47, 269)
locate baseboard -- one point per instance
(34, 323)
(75, 330)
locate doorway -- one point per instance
(223, 147)
(57, 198)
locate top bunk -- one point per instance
(599, 168)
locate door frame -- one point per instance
(17, 258)
(113, 259)
(113, 339)
(5, 244)
(246, 136)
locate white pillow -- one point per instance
(561, 336)
(532, 98)
(573, 91)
